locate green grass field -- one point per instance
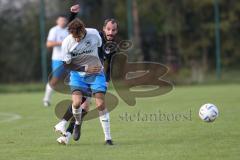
(32, 138)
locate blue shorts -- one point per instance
(88, 84)
(57, 68)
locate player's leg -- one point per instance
(66, 138)
(60, 127)
(99, 88)
(67, 116)
(103, 116)
(77, 113)
(78, 87)
(47, 95)
(76, 101)
(85, 109)
(57, 70)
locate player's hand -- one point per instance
(93, 69)
(75, 8)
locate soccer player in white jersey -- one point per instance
(81, 48)
(108, 35)
(55, 37)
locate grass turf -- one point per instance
(136, 137)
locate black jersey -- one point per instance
(105, 53)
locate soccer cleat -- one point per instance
(46, 103)
(109, 142)
(64, 140)
(60, 128)
(77, 132)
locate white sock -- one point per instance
(77, 114)
(68, 135)
(105, 121)
(63, 121)
(48, 93)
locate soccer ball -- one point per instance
(208, 112)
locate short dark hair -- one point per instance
(112, 20)
(77, 28)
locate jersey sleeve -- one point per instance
(99, 40)
(52, 35)
(71, 17)
(65, 49)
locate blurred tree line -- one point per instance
(180, 34)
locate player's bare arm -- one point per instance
(51, 44)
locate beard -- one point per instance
(110, 37)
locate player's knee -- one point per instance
(76, 103)
(53, 82)
(76, 99)
(100, 106)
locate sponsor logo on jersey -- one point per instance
(76, 53)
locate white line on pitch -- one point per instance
(9, 117)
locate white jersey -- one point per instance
(57, 34)
(84, 52)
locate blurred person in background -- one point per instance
(54, 40)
